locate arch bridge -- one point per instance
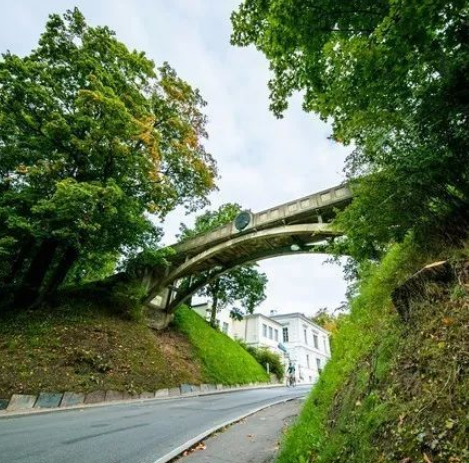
(300, 226)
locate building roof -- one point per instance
(266, 317)
(302, 317)
(199, 305)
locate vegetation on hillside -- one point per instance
(223, 360)
(394, 391)
(265, 356)
(83, 346)
(96, 146)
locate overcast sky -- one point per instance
(262, 161)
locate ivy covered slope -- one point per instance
(81, 346)
(394, 391)
(223, 360)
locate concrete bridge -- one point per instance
(299, 226)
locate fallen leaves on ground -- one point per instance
(199, 446)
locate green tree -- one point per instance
(323, 318)
(331, 320)
(94, 142)
(243, 284)
(392, 77)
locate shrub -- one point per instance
(264, 356)
(126, 299)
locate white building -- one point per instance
(307, 344)
(259, 331)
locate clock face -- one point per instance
(242, 220)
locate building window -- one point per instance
(225, 328)
(315, 341)
(264, 330)
(307, 360)
(276, 335)
(285, 335)
(271, 333)
(325, 343)
(318, 364)
(305, 331)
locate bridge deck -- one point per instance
(308, 209)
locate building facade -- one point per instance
(307, 345)
(259, 331)
(292, 336)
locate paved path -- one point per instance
(141, 432)
(253, 440)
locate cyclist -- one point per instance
(291, 375)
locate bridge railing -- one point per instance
(280, 214)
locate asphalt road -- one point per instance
(140, 432)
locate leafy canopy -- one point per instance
(392, 77)
(96, 143)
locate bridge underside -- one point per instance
(252, 246)
(247, 248)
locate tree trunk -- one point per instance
(59, 273)
(19, 262)
(213, 314)
(28, 291)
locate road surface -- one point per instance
(142, 432)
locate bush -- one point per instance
(126, 299)
(264, 356)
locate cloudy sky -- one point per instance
(262, 161)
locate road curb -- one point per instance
(191, 442)
(82, 406)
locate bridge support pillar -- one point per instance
(158, 315)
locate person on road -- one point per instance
(291, 375)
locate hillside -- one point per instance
(396, 389)
(223, 360)
(80, 346)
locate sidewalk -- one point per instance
(252, 440)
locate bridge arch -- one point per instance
(211, 276)
(244, 249)
(296, 227)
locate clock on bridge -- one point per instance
(242, 220)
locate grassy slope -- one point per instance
(393, 392)
(81, 347)
(223, 360)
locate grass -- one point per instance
(81, 346)
(349, 414)
(223, 360)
